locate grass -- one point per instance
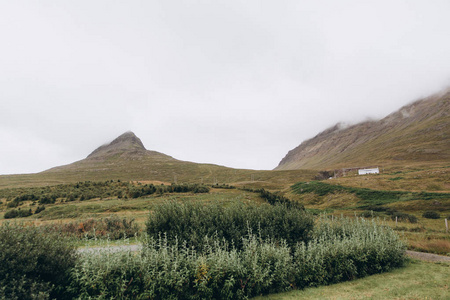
(147, 168)
(418, 280)
(367, 196)
(426, 235)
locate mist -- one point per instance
(234, 83)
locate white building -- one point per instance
(368, 171)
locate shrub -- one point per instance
(34, 264)
(17, 213)
(340, 250)
(344, 250)
(39, 209)
(175, 271)
(191, 222)
(403, 217)
(431, 215)
(113, 228)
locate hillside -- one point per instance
(418, 133)
(126, 158)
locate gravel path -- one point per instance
(138, 247)
(132, 248)
(427, 256)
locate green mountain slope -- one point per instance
(418, 133)
(126, 158)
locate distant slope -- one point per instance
(417, 133)
(126, 158)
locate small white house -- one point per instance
(368, 171)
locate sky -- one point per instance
(234, 83)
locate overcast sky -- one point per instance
(235, 83)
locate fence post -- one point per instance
(396, 221)
(446, 225)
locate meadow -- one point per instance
(267, 257)
(193, 251)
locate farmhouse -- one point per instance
(368, 171)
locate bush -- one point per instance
(403, 217)
(178, 272)
(39, 209)
(34, 264)
(340, 250)
(113, 228)
(431, 215)
(17, 213)
(344, 250)
(191, 222)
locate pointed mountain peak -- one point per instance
(127, 142)
(129, 139)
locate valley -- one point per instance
(113, 194)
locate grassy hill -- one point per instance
(126, 159)
(417, 134)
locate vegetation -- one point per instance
(111, 228)
(34, 264)
(191, 222)
(271, 256)
(90, 190)
(339, 250)
(17, 213)
(404, 212)
(274, 198)
(366, 196)
(431, 215)
(418, 280)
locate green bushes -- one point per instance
(431, 215)
(274, 198)
(339, 250)
(34, 264)
(367, 196)
(191, 222)
(401, 216)
(113, 228)
(90, 190)
(200, 252)
(17, 213)
(344, 250)
(177, 272)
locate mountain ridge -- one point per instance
(418, 131)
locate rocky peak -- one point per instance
(127, 142)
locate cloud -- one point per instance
(237, 83)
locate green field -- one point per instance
(418, 280)
(78, 207)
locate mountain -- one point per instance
(418, 133)
(127, 142)
(127, 159)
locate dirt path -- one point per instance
(427, 256)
